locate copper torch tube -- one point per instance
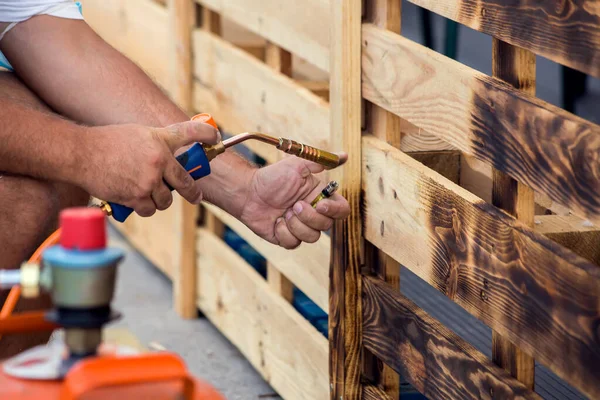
(325, 158)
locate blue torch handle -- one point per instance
(194, 161)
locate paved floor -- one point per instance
(144, 296)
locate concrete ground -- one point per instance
(144, 297)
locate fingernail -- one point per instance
(322, 208)
(289, 215)
(297, 208)
(278, 221)
(218, 136)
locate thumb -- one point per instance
(185, 133)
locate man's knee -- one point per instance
(29, 211)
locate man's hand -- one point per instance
(278, 204)
(129, 164)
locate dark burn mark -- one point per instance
(537, 295)
(564, 31)
(395, 195)
(380, 181)
(382, 228)
(542, 149)
(368, 167)
(404, 337)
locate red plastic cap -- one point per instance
(83, 228)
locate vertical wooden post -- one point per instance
(386, 126)
(516, 66)
(281, 61)
(184, 280)
(211, 22)
(345, 311)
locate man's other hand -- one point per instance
(278, 203)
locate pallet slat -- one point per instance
(573, 233)
(261, 324)
(565, 32)
(434, 360)
(299, 27)
(537, 294)
(547, 148)
(370, 392)
(307, 266)
(244, 94)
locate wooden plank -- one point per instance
(577, 235)
(271, 102)
(345, 315)
(516, 67)
(182, 20)
(372, 392)
(305, 266)
(284, 347)
(537, 294)
(279, 283)
(320, 88)
(137, 28)
(565, 32)
(540, 145)
(383, 124)
(435, 361)
(301, 28)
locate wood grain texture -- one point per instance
(540, 145)
(301, 28)
(537, 294)
(572, 232)
(344, 294)
(243, 94)
(372, 392)
(567, 32)
(182, 19)
(516, 67)
(387, 126)
(433, 359)
(306, 267)
(289, 353)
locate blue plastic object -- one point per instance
(194, 161)
(67, 258)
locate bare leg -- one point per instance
(28, 214)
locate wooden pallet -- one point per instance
(448, 170)
(541, 298)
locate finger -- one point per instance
(162, 197)
(181, 181)
(184, 133)
(336, 207)
(145, 207)
(284, 236)
(300, 230)
(303, 167)
(310, 217)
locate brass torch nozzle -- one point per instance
(325, 158)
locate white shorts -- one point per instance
(15, 11)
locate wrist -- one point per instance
(230, 183)
(83, 165)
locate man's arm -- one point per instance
(83, 78)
